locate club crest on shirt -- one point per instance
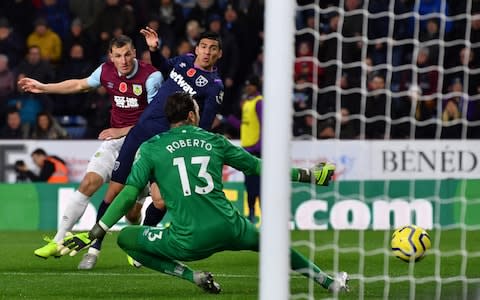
(201, 81)
(137, 89)
(191, 72)
(122, 87)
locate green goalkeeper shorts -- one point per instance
(163, 242)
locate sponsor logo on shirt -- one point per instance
(201, 81)
(122, 87)
(180, 81)
(137, 89)
(191, 72)
(125, 102)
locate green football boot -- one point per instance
(50, 249)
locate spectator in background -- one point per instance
(27, 104)
(376, 106)
(98, 112)
(192, 32)
(302, 102)
(7, 83)
(19, 13)
(203, 10)
(76, 66)
(114, 20)
(170, 16)
(47, 128)
(77, 36)
(53, 169)
(14, 128)
(57, 15)
(183, 47)
(11, 44)
(48, 41)
(306, 65)
(431, 33)
(86, 11)
(34, 66)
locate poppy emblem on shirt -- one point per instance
(122, 87)
(137, 89)
(191, 72)
(201, 81)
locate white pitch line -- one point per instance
(118, 274)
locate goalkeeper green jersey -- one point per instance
(187, 163)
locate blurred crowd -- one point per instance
(377, 70)
(387, 69)
(54, 40)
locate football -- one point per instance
(409, 243)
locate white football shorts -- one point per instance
(103, 160)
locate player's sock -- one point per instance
(301, 264)
(251, 199)
(164, 265)
(101, 211)
(153, 215)
(73, 212)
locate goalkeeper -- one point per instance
(186, 162)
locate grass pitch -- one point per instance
(24, 276)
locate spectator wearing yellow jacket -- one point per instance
(47, 40)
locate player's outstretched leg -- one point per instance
(75, 209)
(307, 268)
(140, 242)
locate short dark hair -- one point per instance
(39, 151)
(119, 42)
(178, 106)
(211, 36)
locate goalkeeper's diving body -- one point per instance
(186, 162)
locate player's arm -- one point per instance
(153, 84)
(238, 158)
(211, 107)
(70, 86)
(122, 203)
(153, 43)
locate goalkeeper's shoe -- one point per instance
(88, 261)
(340, 283)
(133, 262)
(50, 249)
(206, 282)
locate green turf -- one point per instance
(24, 276)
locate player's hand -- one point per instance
(30, 85)
(322, 173)
(113, 133)
(151, 37)
(74, 243)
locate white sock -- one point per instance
(73, 212)
(93, 251)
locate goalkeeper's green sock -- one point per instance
(302, 265)
(164, 265)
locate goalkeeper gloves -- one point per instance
(320, 174)
(74, 243)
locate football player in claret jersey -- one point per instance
(186, 162)
(193, 74)
(131, 85)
